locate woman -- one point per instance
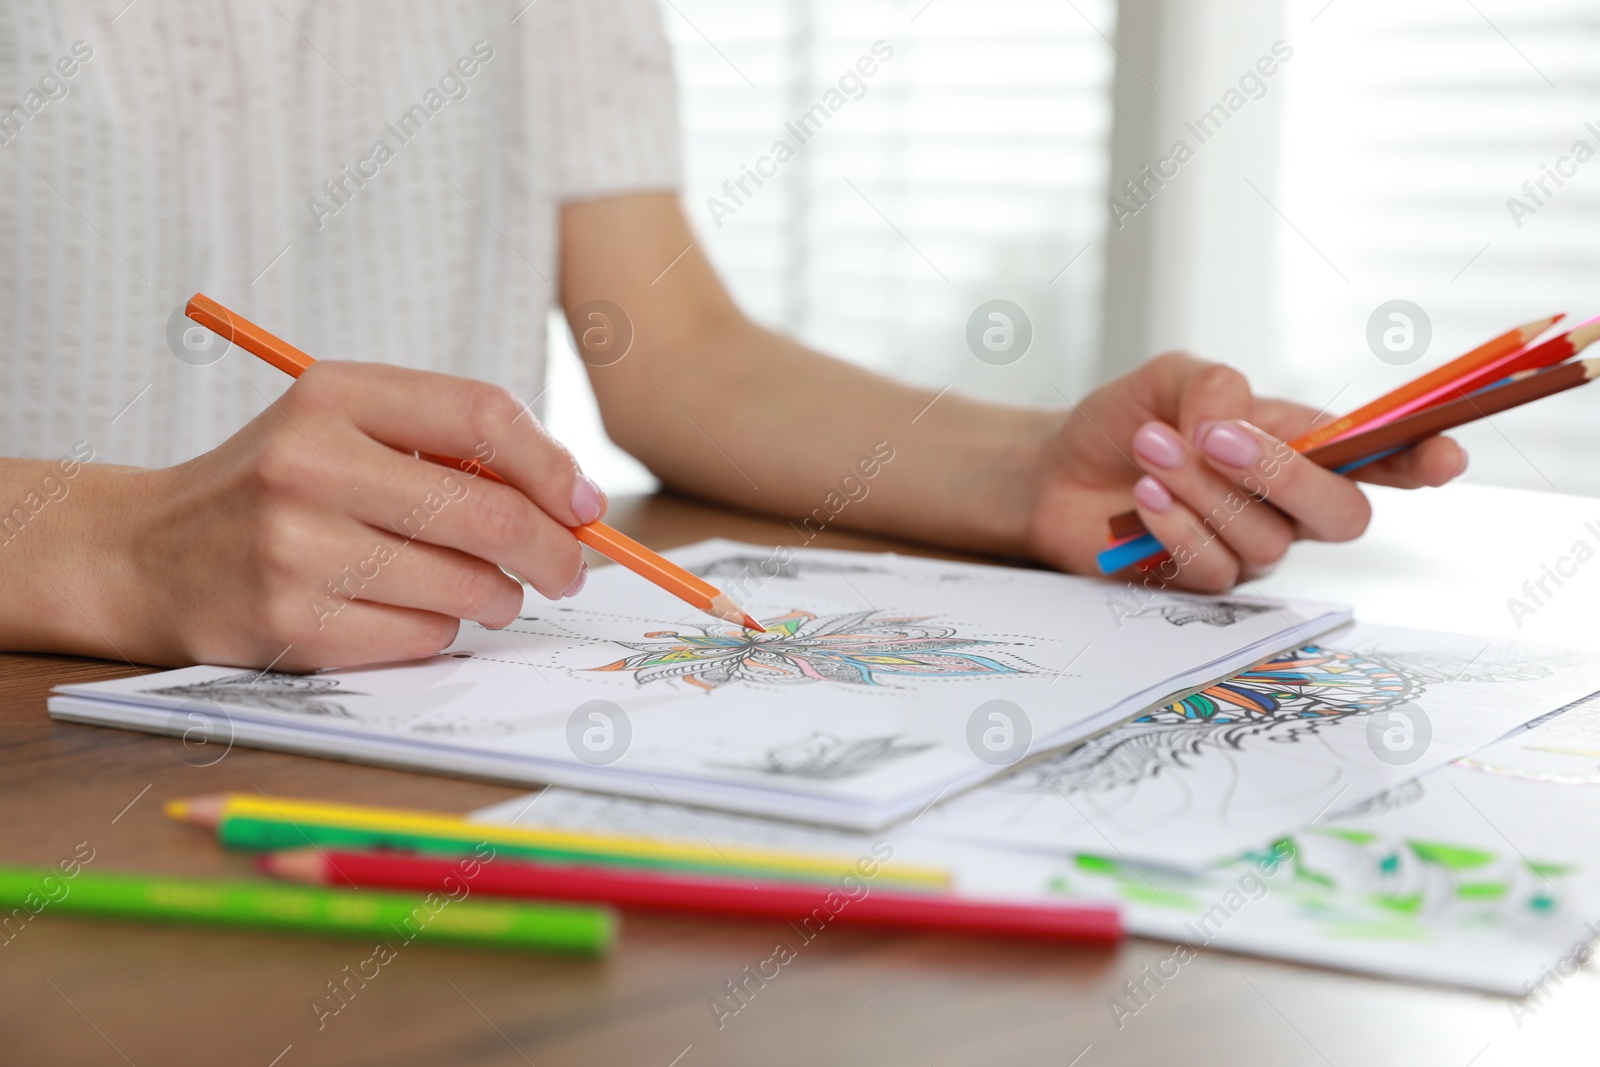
(406, 191)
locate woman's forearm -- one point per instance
(745, 416)
(63, 577)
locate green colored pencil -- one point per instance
(250, 832)
(261, 822)
(397, 918)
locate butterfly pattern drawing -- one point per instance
(1209, 612)
(829, 757)
(277, 692)
(859, 648)
(764, 567)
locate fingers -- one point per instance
(1217, 518)
(322, 583)
(1324, 506)
(1184, 391)
(1430, 463)
(362, 633)
(440, 581)
(1201, 560)
(418, 411)
(414, 501)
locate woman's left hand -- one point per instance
(1205, 464)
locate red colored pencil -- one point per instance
(1091, 923)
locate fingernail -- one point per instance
(1466, 460)
(577, 583)
(1152, 494)
(1158, 446)
(1231, 444)
(587, 500)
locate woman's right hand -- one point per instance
(314, 538)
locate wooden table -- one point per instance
(89, 992)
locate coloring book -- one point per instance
(882, 683)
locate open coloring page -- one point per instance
(882, 682)
(1310, 732)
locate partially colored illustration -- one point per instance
(1282, 701)
(859, 648)
(1352, 884)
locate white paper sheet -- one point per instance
(875, 693)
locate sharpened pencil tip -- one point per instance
(1539, 326)
(723, 607)
(201, 811)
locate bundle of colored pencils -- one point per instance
(343, 848)
(1506, 372)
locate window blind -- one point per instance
(939, 155)
(1431, 153)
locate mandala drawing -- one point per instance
(860, 648)
(1283, 699)
(828, 757)
(1210, 612)
(278, 692)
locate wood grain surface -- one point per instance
(77, 991)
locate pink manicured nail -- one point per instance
(1231, 444)
(587, 499)
(577, 583)
(1152, 494)
(1158, 446)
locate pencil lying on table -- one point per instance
(561, 928)
(1358, 449)
(244, 820)
(860, 903)
(614, 545)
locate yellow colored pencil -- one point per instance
(252, 821)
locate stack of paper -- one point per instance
(883, 683)
(1481, 873)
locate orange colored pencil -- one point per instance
(611, 543)
(1486, 353)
